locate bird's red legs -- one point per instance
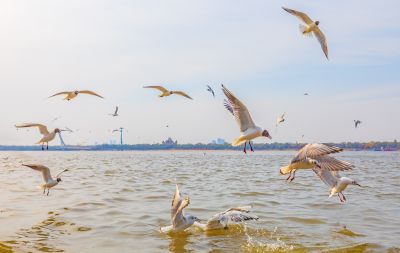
(244, 149)
(291, 176)
(251, 147)
(341, 197)
(47, 146)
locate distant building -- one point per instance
(218, 141)
(170, 141)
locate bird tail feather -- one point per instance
(239, 141)
(303, 30)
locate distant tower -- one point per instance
(121, 130)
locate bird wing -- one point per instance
(116, 110)
(176, 201)
(60, 93)
(314, 150)
(300, 15)
(326, 177)
(59, 174)
(239, 110)
(90, 93)
(181, 93)
(322, 41)
(235, 214)
(160, 88)
(42, 128)
(332, 164)
(41, 168)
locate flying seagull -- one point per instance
(306, 94)
(72, 94)
(115, 114)
(356, 123)
(179, 221)
(280, 119)
(310, 27)
(335, 182)
(166, 93)
(248, 129)
(49, 182)
(47, 136)
(221, 220)
(210, 90)
(315, 155)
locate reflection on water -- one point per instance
(116, 202)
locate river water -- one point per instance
(116, 202)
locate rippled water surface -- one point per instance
(116, 202)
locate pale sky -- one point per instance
(253, 47)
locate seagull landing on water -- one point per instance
(248, 129)
(49, 182)
(356, 123)
(221, 220)
(210, 90)
(166, 93)
(335, 182)
(47, 136)
(72, 94)
(310, 27)
(315, 155)
(115, 114)
(179, 221)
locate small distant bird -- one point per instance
(47, 136)
(310, 27)
(315, 155)
(221, 220)
(179, 221)
(49, 182)
(335, 182)
(115, 130)
(166, 93)
(280, 119)
(306, 94)
(210, 90)
(115, 114)
(248, 129)
(72, 94)
(356, 123)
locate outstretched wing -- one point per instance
(60, 93)
(90, 93)
(235, 214)
(314, 150)
(41, 168)
(332, 164)
(181, 93)
(300, 15)
(59, 174)
(322, 41)
(42, 128)
(160, 88)
(239, 110)
(326, 177)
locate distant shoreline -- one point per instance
(356, 146)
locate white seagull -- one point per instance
(312, 156)
(47, 136)
(179, 221)
(221, 220)
(49, 182)
(248, 129)
(310, 27)
(356, 123)
(166, 93)
(210, 90)
(335, 182)
(115, 114)
(280, 119)
(72, 94)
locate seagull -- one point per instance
(47, 136)
(221, 220)
(310, 27)
(356, 123)
(315, 155)
(210, 90)
(335, 182)
(280, 119)
(179, 221)
(115, 113)
(49, 182)
(72, 94)
(306, 94)
(248, 129)
(166, 93)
